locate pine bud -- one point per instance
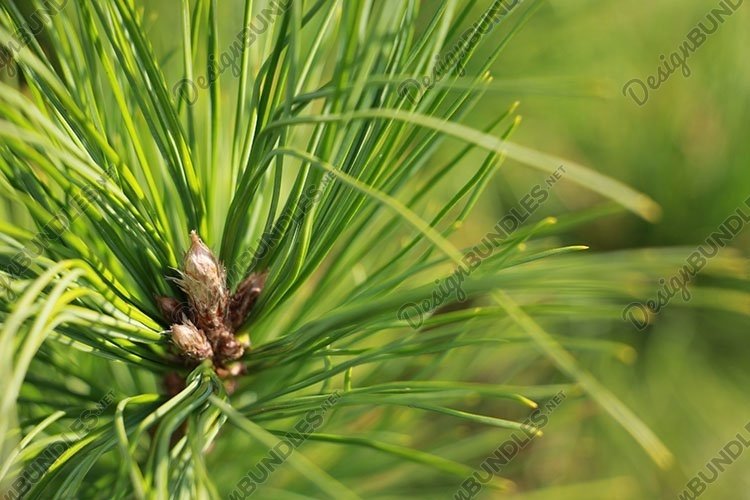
(226, 346)
(244, 298)
(191, 341)
(204, 280)
(200, 263)
(205, 329)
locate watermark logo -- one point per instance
(414, 89)
(33, 472)
(639, 90)
(269, 239)
(728, 455)
(640, 313)
(277, 455)
(414, 312)
(509, 449)
(52, 230)
(23, 36)
(231, 57)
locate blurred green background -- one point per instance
(688, 148)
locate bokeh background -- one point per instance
(688, 148)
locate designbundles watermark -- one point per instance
(509, 449)
(277, 455)
(32, 473)
(413, 89)
(270, 238)
(414, 313)
(55, 227)
(638, 90)
(231, 57)
(639, 313)
(727, 456)
(23, 36)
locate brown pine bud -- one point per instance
(227, 347)
(201, 264)
(191, 342)
(245, 297)
(204, 281)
